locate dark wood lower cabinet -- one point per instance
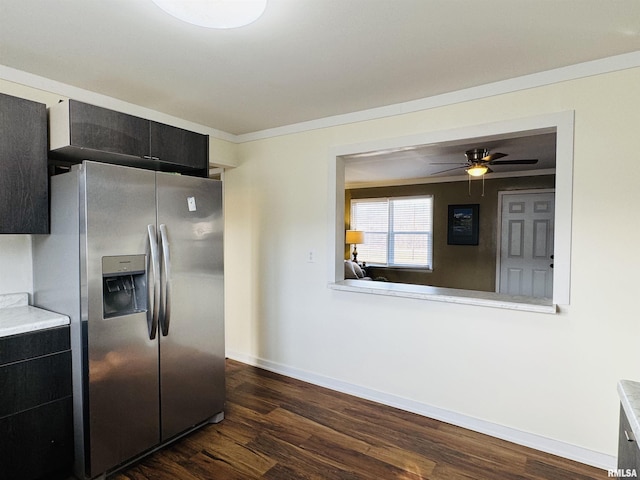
(628, 448)
(37, 443)
(36, 422)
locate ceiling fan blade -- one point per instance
(450, 163)
(493, 156)
(448, 169)
(528, 161)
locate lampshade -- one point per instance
(214, 13)
(477, 170)
(354, 237)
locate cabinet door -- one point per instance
(33, 382)
(628, 449)
(37, 443)
(24, 190)
(24, 346)
(104, 130)
(172, 145)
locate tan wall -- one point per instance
(469, 267)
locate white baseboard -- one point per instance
(554, 447)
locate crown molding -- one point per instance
(572, 72)
(69, 91)
(549, 77)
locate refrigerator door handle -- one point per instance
(153, 285)
(166, 281)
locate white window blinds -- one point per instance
(398, 231)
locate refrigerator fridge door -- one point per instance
(190, 223)
(121, 361)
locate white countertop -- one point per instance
(449, 295)
(17, 316)
(630, 399)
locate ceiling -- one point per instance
(306, 59)
(422, 163)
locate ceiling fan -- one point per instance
(479, 159)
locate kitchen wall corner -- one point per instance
(16, 273)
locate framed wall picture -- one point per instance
(463, 224)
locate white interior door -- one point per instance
(526, 244)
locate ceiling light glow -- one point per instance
(214, 13)
(477, 170)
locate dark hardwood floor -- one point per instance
(279, 428)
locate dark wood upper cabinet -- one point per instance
(104, 130)
(24, 191)
(80, 131)
(178, 146)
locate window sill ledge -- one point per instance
(449, 295)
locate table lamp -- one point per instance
(354, 237)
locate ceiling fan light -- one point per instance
(477, 170)
(214, 13)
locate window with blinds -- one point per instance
(398, 231)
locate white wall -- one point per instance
(553, 376)
(15, 264)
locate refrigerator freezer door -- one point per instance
(192, 343)
(117, 205)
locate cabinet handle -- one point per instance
(629, 437)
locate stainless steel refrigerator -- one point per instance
(135, 259)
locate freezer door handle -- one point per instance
(165, 318)
(153, 288)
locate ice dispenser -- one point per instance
(124, 285)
